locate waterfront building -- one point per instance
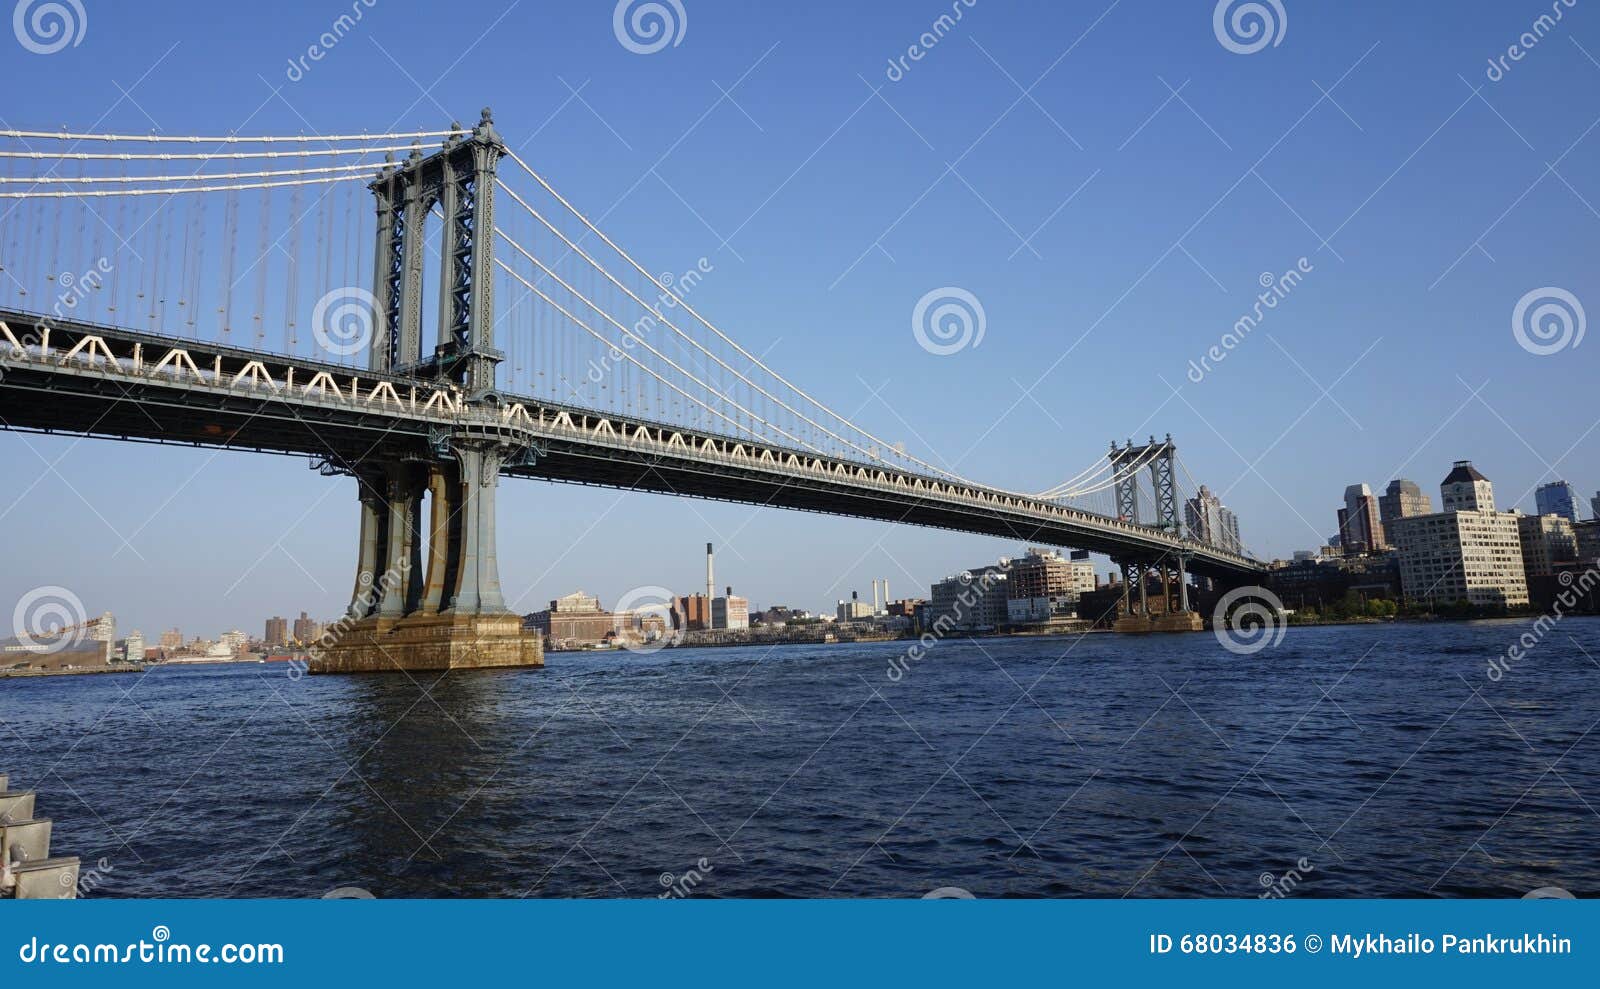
(1360, 529)
(171, 640)
(133, 647)
(1557, 498)
(1594, 507)
(853, 610)
(234, 641)
(1588, 536)
(1043, 584)
(574, 621)
(277, 632)
(1547, 542)
(1463, 556)
(692, 614)
(1466, 490)
(730, 612)
(973, 600)
(1401, 500)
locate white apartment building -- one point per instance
(1472, 556)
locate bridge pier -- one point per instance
(1171, 615)
(451, 615)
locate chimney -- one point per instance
(711, 582)
(886, 594)
(877, 605)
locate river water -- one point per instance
(1344, 761)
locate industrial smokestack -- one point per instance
(877, 603)
(711, 581)
(886, 594)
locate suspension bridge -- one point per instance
(211, 292)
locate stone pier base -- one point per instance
(1175, 621)
(431, 642)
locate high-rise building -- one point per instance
(171, 640)
(1360, 529)
(306, 629)
(1466, 490)
(1547, 540)
(1594, 506)
(1588, 535)
(1557, 498)
(133, 647)
(1043, 585)
(1402, 500)
(277, 632)
(235, 640)
(1212, 522)
(1462, 556)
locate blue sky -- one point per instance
(1038, 157)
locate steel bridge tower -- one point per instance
(447, 612)
(1172, 611)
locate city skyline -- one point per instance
(1407, 257)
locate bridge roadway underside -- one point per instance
(36, 400)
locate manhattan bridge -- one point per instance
(463, 324)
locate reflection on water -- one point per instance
(1361, 761)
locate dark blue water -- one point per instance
(1371, 761)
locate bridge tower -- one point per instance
(1170, 611)
(447, 612)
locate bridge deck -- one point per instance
(81, 378)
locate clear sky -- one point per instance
(1110, 180)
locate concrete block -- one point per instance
(25, 841)
(47, 879)
(432, 642)
(16, 806)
